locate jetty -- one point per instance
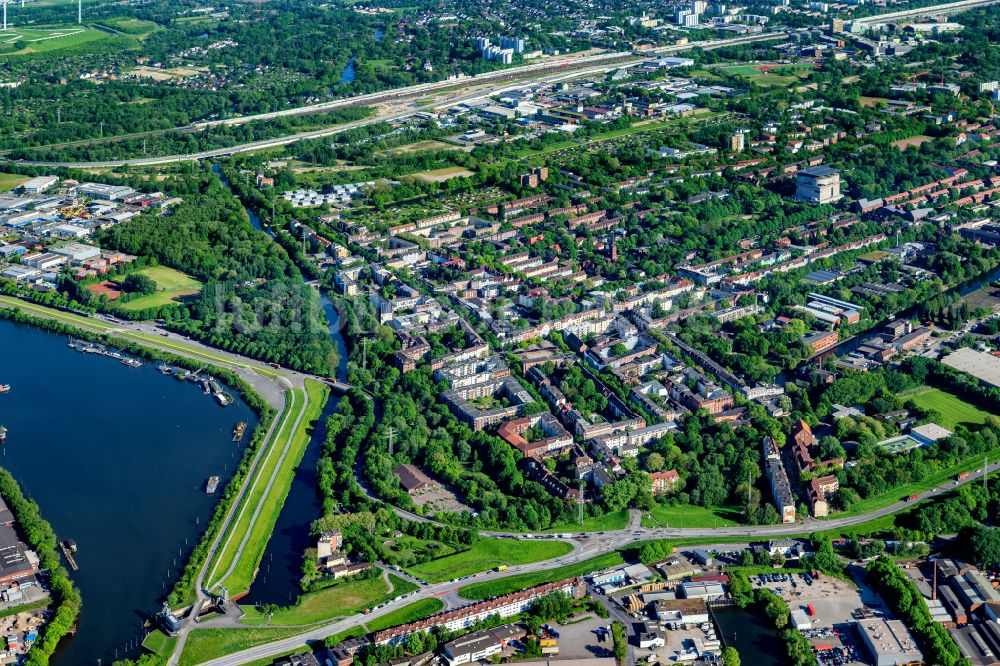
(68, 548)
(94, 348)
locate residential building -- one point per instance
(664, 482)
(480, 645)
(781, 488)
(820, 490)
(504, 606)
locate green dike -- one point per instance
(206, 644)
(271, 501)
(897, 494)
(159, 643)
(224, 557)
(344, 598)
(418, 610)
(493, 588)
(487, 554)
(149, 339)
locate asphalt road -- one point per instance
(591, 546)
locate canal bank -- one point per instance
(117, 458)
(277, 581)
(851, 344)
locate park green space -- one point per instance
(615, 520)
(171, 285)
(417, 610)
(774, 74)
(689, 515)
(951, 409)
(508, 584)
(407, 548)
(258, 532)
(206, 644)
(9, 181)
(24, 41)
(131, 26)
(344, 598)
(159, 643)
(487, 554)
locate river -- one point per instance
(347, 76)
(117, 459)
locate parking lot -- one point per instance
(833, 599)
(578, 639)
(835, 602)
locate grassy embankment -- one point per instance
(487, 554)
(243, 564)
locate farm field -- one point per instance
(952, 410)
(171, 285)
(486, 554)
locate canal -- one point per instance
(277, 581)
(281, 568)
(848, 346)
(749, 633)
(117, 458)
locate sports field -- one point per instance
(171, 285)
(765, 74)
(952, 410)
(9, 181)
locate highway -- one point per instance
(401, 103)
(925, 12)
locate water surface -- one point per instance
(117, 459)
